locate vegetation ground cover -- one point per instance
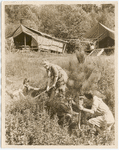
(27, 123)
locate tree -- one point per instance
(61, 21)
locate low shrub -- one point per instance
(27, 123)
(80, 56)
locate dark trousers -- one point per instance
(51, 93)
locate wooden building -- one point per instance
(27, 37)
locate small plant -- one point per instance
(80, 56)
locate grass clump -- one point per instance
(80, 56)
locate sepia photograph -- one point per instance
(59, 74)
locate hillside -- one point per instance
(61, 21)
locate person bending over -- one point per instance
(57, 78)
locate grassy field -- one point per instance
(27, 123)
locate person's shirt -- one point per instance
(55, 71)
(99, 106)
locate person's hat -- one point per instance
(45, 63)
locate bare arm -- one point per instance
(73, 112)
(32, 88)
(48, 74)
(55, 75)
(55, 80)
(88, 110)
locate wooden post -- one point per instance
(98, 34)
(25, 40)
(79, 120)
(11, 46)
(51, 46)
(64, 47)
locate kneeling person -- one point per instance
(104, 118)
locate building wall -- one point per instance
(40, 42)
(49, 44)
(34, 43)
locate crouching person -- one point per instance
(21, 93)
(57, 78)
(104, 120)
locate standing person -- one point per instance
(104, 117)
(57, 78)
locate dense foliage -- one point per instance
(61, 21)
